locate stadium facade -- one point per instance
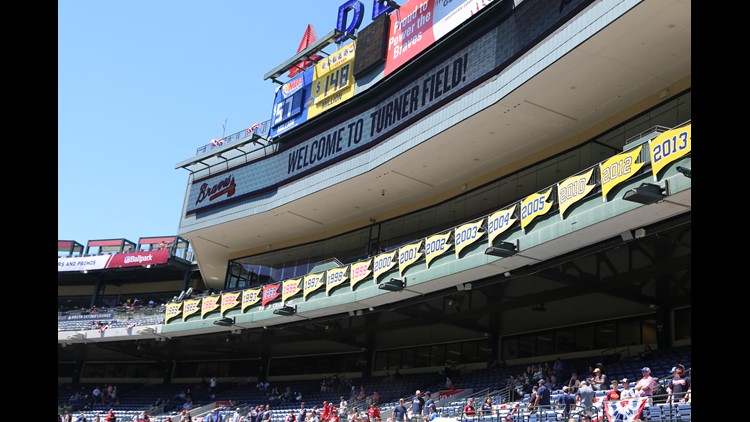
(456, 183)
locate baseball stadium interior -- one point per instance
(505, 211)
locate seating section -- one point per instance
(136, 398)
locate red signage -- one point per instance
(135, 259)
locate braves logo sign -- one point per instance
(224, 187)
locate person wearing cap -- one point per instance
(599, 381)
(678, 385)
(613, 394)
(399, 412)
(645, 386)
(301, 412)
(626, 392)
(543, 395)
(433, 413)
(428, 401)
(236, 416)
(585, 397)
(469, 410)
(416, 406)
(567, 401)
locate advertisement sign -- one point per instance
(333, 81)
(289, 104)
(419, 23)
(83, 263)
(137, 259)
(93, 316)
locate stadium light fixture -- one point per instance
(502, 249)
(393, 285)
(225, 322)
(286, 310)
(684, 170)
(646, 193)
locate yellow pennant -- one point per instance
(210, 304)
(573, 189)
(229, 301)
(499, 222)
(191, 306)
(668, 147)
(335, 277)
(290, 288)
(535, 205)
(359, 271)
(250, 297)
(408, 255)
(618, 169)
(313, 283)
(382, 263)
(173, 310)
(436, 245)
(466, 234)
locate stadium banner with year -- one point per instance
(229, 301)
(290, 104)
(210, 304)
(618, 169)
(313, 282)
(408, 255)
(249, 298)
(573, 189)
(668, 147)
(290, 288)
(270, 292)
(136, 259)
(419, 23)
(191, 306)
(500, 221)
(173, 310)
(436, 245)
(382, 263)
(333, 81)
(335, 277)
(359, 271)
(466, 234)
(535, 205)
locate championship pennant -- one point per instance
(229, 301)
(499, 222)
(466, 234)
(535, 205)
(191, 306)
(407, 255)
(313, 283)
(270, 292)
(573, 189)
(250, 297)
(668, 147)
(359, 271)
(210, 304)
(290, 288)
(436, 245)
(383, 263)
(335, 277)
(172, 310)
(618, 169)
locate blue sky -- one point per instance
(142, 84)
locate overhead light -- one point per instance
(467, 286)
(225, 322)
(392, 285)
(685, 171)
(351, 313)
(626, 235)
(640, 233)
(85, 271)
(502, 249)
(286, 310)
(148, 265)
(646, 193)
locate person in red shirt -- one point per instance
(469, 410)
(326, 411)
(374, 413)
(614, 393)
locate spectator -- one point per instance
(626, 392)
(585, 397)
(486, 408)
(469, 411)
(374, 413)
(678, 385)
(432, 413)
(417, 403)
(237, 416)
(574, 383)
(599, 381)
(614, 393)
(290, 417)
(543, 396)
(428, 401)
(81, 418)
(645, 386)
(399, 412)
(301, 413)
(566, 400)
(267, 414)
(111, 417)
(342, 408)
